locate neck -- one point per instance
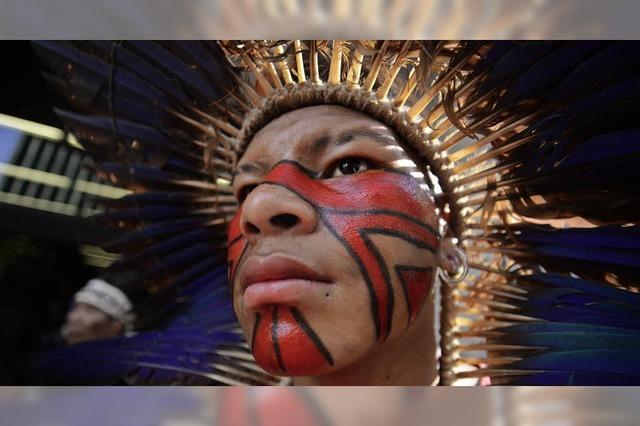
(406, 360)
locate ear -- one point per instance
(450, 257)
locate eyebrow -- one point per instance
(254, 168)
(322, 143)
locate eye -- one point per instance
(244, 191)
(348, 166)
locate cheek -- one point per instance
(94, 323)
(391, 235)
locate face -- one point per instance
(332, 250)
(85, 322)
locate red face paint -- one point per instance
(283, 343)
(236, 245)
(354, 208)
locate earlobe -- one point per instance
(452, 261)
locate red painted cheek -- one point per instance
(236, 245)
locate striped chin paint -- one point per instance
(358, 210)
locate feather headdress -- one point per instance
(529, 149)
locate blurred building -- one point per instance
(48, 188)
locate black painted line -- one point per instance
(310, 173)
(235, 240)
(363, 270)
(386, 212)
(274, 338)
(312, 335)
(353, 212)
(255, 329)
(232, 280)
(399, 269)
(401, 235)
(385, 273)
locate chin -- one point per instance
(284, 344)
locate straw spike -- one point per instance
(297, 45)
(383, 91)
(249, 93)
(273, 73)
(429, 119)
(260, 78)
(492, 154)
(452, 140)
(468, 150)
(475, 300)
(228, 112)
(407, 90)
(485, 173)
(442, 128)
(335, 69)
(246, 97)
(353, 76)
(314, 70)
(375, 67)
(284, 67)
(221, 124)
(440, 115)
(206, 129)
(422, 103)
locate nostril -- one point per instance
(284, 221)
(252, 228)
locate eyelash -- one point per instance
(244, 191)
(328, 173)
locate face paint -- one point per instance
(355, 209)
(236, 247)
(245, 406)
(283, 342)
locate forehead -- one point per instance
(297, 132)
(85, 307)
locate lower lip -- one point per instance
(288, 291)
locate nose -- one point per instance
(272, 210)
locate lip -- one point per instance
(278, 279)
